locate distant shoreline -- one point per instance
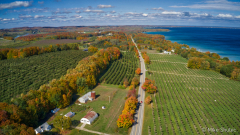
(224, 49)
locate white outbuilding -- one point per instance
(89, 118)
(89, 96)
(44, 127)
(166, 52)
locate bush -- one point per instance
(148, 100)
(227, 70)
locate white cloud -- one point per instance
(56, 16)
(225, 15)
(78, 11)
(5, 19)
(206, 14)
(40, 2)
(171, 13)
(24, 16)
(61, 12)
(237, 16)
(76, 16)
(8, 19)
(138, 19)
(113, 12)
(105, 6)
(15, 4)
(111, 16)
(132, 14)
(214, 5)
(39, 16)
(31, 10)
(144, 14)
(160, 8)
(93, 11)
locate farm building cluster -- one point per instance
(88, 118)
(166, 52)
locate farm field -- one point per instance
(20, 75)
(190, 101)
(106, 122)
(41, 43)
(47, 42)
(12, 44)
(149, 51)
(123, 68)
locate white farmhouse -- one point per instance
(166, 52)
(89, 96)
(89, 118)
(42, 128)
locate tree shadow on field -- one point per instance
(75, 123)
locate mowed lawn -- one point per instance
(191, 101)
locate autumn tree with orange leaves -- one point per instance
(148, 100)
(138, 71)
(92, 49)
(126, 120)
(149, 86)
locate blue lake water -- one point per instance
(21, 35)
(224, 41)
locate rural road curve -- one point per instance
(138, 117)
(95, 132)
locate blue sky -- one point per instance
(119, 12)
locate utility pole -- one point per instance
(62, 122)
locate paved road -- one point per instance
(138, 117)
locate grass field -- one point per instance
(149, 51)
(80, 132)
(47, 42)
(20, 75)
(12, 44)
(106, 122)
(191, 101)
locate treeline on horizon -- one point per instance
(10, 53)
(23, 112)
(196, 59)
(118, 39)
